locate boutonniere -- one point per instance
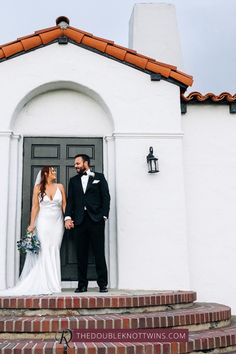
(92, 174)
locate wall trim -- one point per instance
(162, 135)
(6, 133)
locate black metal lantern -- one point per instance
(152, 162)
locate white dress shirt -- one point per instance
(84, 180)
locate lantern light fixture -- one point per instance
(152, 162)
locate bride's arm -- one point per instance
(61, 187)
(34, 209)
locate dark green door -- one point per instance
(59, 153)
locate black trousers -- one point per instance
(91, 232)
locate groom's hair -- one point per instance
(84, 157)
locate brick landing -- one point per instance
(94, 300)
(29, 324)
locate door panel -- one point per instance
(59, 153)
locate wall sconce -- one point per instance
(152, 162)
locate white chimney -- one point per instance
(153, 32)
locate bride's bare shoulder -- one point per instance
(36, 191)
(60, 186)
(37, 188)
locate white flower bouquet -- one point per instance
(29, 243)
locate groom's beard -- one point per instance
(81, 170)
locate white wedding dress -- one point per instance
(42, 273)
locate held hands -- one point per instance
(69, 224)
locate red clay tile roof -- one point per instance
(209, 97)
(125, 55)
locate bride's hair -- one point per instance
(42, 185)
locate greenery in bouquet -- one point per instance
(29, 243)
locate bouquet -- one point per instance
(29, 243)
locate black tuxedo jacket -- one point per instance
(96, 198)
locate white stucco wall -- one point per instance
(62, 112)
(151, 219)
(69, 91)
(210, 180)
(28, 74)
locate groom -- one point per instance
(87, 208)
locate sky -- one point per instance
(207, 30)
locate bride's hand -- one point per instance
(30, 228)
(69, 224)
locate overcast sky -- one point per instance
(207, 31)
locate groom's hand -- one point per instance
(69, 224)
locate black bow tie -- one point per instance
(83, 173)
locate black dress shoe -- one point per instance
(83, 289)
(103, 289)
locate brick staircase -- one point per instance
(31, 324)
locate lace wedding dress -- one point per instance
(42, 273)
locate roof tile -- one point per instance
(104, 40)
(180, 77)
(116, 52)
(136, 60)
(145, 57)
(24, 37)
(126, 49)
(6, 44)
(198, 97)
(79, 30)
(12, 49)
(223, 96)
(94, 43)
(126, 55)
(50, 36)
(46, 30)
(31, 42)
(2, 55)
(172, 67)
(158, 69)
(74, 35)
(180, 72)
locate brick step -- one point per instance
(117, 299)
(215, 341)
(200, 316)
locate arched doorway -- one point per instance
(55, 125)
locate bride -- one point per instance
(42, 273)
